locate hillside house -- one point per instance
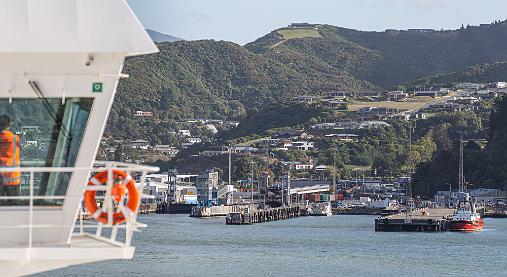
(140, 144)
(302, 145)
(163, 148)
(346, 125)
(337, 94)
(380, 111)
(373, 124)
(306, 99)
(212, 128)
(401, 116)
(323, 126)
(397, 96)
(335, 103)
(214, 152)
(426, 93)
(302, 26)
(193, 140)
(321, 168)
(369, 95)
(244, 149)
(288, 134)
(487, 94)
(500, 85)
(185, 133)
(472, 86)
(465, 100)
(143, 114)
(344, 137)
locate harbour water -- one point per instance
(176, 245)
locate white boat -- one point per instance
(60, 64)
(322, 209)
(466, 218)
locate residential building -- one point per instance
(337, 94)
(501, 85)
(344, 137)
(193, 140)
(185, 133)
(335, 103)
(467, 85)
(214, 152)
(308, 99)
(163, 148)
(244, 149)
(372, 95)
(302, 145)
(380, 110)
(303, 167)
(397, 96)
(373, 124)
(143, 114)
(321, 168)
(323, 126)
(140, 144)
(426, 93)
(212, 128)
(302, 26)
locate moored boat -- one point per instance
(466, 218)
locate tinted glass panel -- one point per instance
(50, 134)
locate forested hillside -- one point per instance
(484, 167)
(217, 79)
(483, 73)
(392, 57)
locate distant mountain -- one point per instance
(160, 37)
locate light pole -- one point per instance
(252, 182)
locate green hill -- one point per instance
(393, 57)
(211, 79)
(483, 73)
(217, 79)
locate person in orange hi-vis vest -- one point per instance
(9, 157)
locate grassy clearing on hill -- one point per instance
(299, 33)
(415, 103)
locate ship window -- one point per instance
(50, 132)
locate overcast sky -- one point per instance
(243, 21)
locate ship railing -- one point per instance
(104, 232)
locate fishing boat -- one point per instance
(60, 64)
(466, 218)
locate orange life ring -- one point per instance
(121, 181)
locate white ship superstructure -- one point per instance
(60, 64)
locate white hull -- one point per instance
(84, 249)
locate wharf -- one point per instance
(215, 210)
(248, 216)
(420, 220)
(496, 212)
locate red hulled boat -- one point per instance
(466, 218)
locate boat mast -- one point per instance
(230, 176)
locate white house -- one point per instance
(193, 140)
(302, 145)
(185, 133)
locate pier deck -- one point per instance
(265, 215)
(433, 220)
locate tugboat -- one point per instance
(466, 218)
